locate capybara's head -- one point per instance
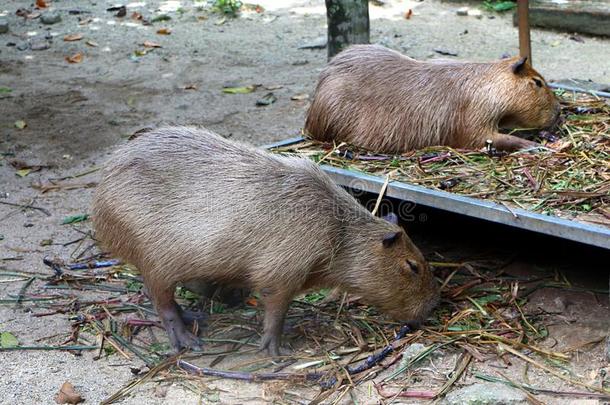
(392, 274)
(530, 103)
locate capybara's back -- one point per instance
(186, 205)
(376, 98)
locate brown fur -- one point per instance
(185, 205)
(378, 99)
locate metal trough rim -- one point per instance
(589, 234)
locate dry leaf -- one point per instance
(73, 37)
(76, 58)
(190, 87)
(136, 16)
(20, 124)
(91, 43)
(150, 44)
(300, 97)
(164, 31)
(408, 14)
(85, 21)
(67, 395)
(23, 172)
(41, 4)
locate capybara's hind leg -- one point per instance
(276, 304)
(169, 312)
(511, 143)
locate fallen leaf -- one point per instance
(5, 90)
(20, 124)
(7, 339)
(68, 395)
(73, 37)
(161, 17)
(136, 16)
(41, 4)
(91, 43)
(252, 301)
(164, 31)
(190, 87)
(122, 12)
(239, 90)
(23, 172)
(85, 21)
(22, 12)
(274, 87)
(408, 14)
(139, 52)
(267, 99)
(150, 44)
(75, 219)
(300, 97)
(76, 58)
(443, 51)
(555, 43)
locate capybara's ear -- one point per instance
(390, 238)
(391, 218)
(518, 66)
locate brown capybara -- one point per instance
(378, 99)
(185, 205)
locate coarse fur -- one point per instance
(186, 205)
(378, 99)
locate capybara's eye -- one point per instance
(538, 82)
(413, 265)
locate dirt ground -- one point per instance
(74, 113)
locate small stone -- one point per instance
(410, 352)
(485, 394)
(3, 25)
(475, 13)
(50, 17)
(39, 44)
(463, 11)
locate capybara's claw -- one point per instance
(181, 340)
(271, 344)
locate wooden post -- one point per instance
(525, 46)
(348, 23)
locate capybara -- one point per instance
(185, 205)
(378, 99)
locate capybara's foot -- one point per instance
(511, 143)
(271, 343)
(183, 339)
(179, 337)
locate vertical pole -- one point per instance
(525, 46)
(348, 23)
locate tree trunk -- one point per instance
(348, 23)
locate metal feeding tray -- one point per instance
(587, 233)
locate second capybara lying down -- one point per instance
(378, 99)
(185, 205)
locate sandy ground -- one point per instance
(75, 113)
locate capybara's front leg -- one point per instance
(511, 143)
(169, 312)
(276, 304)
